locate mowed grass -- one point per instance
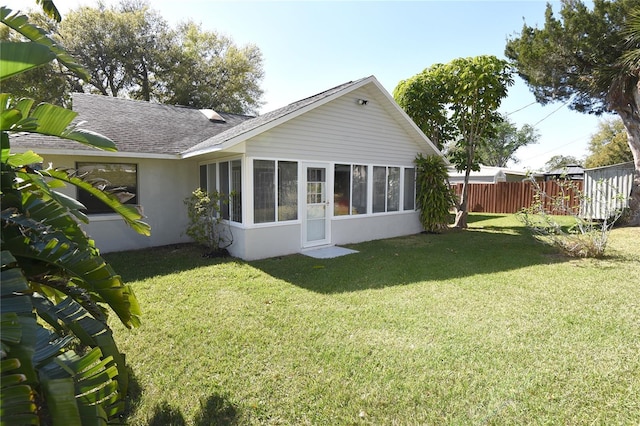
(485, 326)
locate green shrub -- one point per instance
(434, 195)
(205, 222)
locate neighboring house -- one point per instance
(607, 189)
(571, 172)
(487, 174)
(334, 168)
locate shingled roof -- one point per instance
(138, 126)
(147, 128)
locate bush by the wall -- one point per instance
(434, 197)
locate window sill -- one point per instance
(103, 217)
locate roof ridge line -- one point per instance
(155, 103)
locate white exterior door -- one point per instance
(316, 212)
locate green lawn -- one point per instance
(485, 326)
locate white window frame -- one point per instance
(276, 200)
(217, 163)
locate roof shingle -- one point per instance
(152, 128)
(138, 126)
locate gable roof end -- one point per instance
(262, 123)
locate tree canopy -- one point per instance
(458, 102)
(207, 70)
(558, 162)
(500, 148)
(121, 48)
(609, 145)
(588, 57)
(130, 50)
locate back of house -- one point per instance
(334, 168)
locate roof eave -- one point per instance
(120, 154)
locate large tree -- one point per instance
(458, 102)
(207, 70)
(130, 50)
(589, 57)
(500, 148)
(559, 162)
(609, 145)
(122, 48)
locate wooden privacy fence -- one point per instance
(512, 197)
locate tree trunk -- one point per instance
(463, 208)
(633, 131)
(630, 116)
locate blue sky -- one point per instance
(310, 46)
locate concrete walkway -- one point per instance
(328, 252)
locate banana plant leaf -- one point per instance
(18, 404)
(98, 333)
(20, 23)
(50, 9)
(19, 328)
(73, 258)
(94, 383)
(49, 344)
(129, 213)
(78, 389)
(47, 259)
(28, 157)
(18, 57)
(61, 400)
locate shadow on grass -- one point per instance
(479, 217)
(405, 260)
(134, 393)
(159, 261)
(216, 410)
(490, 245)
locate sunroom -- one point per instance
(303, 204)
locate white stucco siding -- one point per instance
(266, 241)
(374, 227)
(162, 187)
(342, 131)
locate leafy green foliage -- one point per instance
(609, 145)
(424, 97)
(60, 363)
(142, 57)
(570, 57)
(434, 198)
(209, 71)
(500, 148)
(461, 98)
(132, 42)
(49, 82)
(205, 222)
(20, 24)
(588, 58)
(559, 162)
